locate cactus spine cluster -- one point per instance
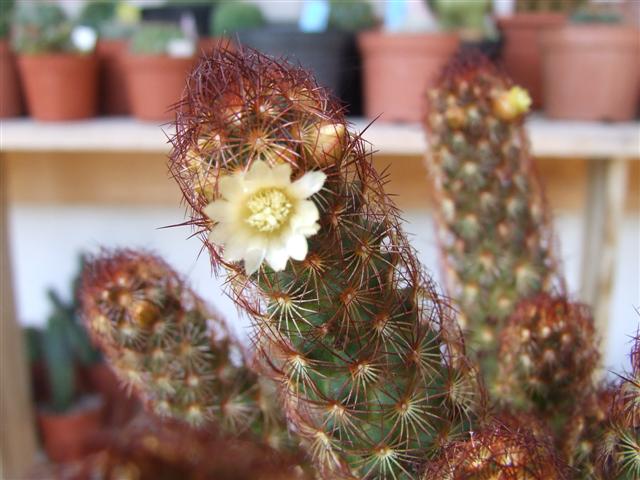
(547, 356)
(505, 449)
(372, 372)
(493, 231)
(620, 454)
(175, 353)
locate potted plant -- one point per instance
(470, 18)
(592, 68)
(179, 11)
(115, 22)
(56, 63)
(402, 60)
(160, 56)
(70, 415)
(10, 95)
(521, 33)
(328, 49)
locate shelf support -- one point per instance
(17, 434)
(604, 215)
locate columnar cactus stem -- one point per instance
(494, 233)
(373, 374)
(164, 343)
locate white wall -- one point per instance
(45, 242)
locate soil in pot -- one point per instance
(69, 436)
(155, 83)
(591, 72)
(60, 86)
(399, 69)
(10, 95)
(521, 50)
(114, 98)
(331, 56)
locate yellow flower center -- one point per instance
(268, 208)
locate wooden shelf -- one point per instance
(549, 138)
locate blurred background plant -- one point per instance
(41, 27)
(231, 17)
(156, 38)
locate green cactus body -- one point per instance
(548, 355)
(495, 238)
(372, 374)
(174, 352)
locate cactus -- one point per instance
(620, 455)
(372, 372)
(174, 352)
(548, 354)
(40, 27)
(506, 449)
(494, 234)
(231, 17)
(154, 38)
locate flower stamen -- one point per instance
(269, 209)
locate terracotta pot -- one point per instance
(591, 72)
(114, 98)
(60, 86)
(10, 95)
(399, 69)
(68, 436)
(156, 83)
(521, 51)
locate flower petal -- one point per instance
(220, 234)
(252, 260)
(218, 211)
(234, 250)
(277, 258)
(308, 184)
(306, 214)
(230, 186)
(281, 174)
(297, 247)
(259, 170)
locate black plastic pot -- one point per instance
(331, 56)
(174, 13)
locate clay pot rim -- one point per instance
(531, 20)
(591, 36)
(378, 41)
(134, 57)
(58, 56)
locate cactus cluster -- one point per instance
(165, 344)
(547, 356)
(372, 372)
(493, 228)
(367, 358)
(505, 449)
